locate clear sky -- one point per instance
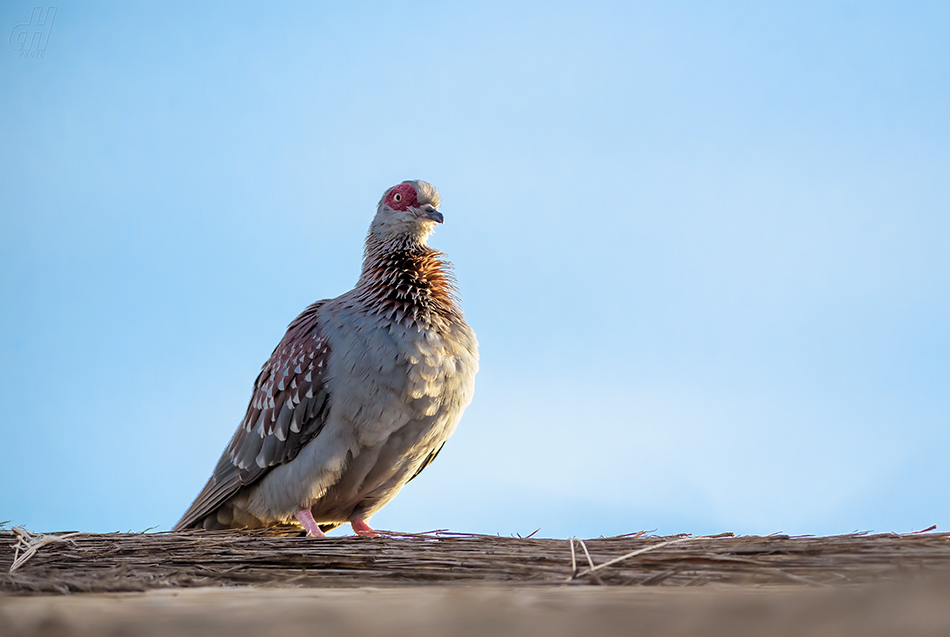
(704, 247)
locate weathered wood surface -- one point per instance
(905, 609)
(87, 562)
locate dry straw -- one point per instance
(72, 562)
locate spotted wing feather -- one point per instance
(288, 408)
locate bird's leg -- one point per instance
(360, 527)
(305, 517)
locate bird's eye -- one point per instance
(397, 197)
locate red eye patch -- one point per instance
(401, 197)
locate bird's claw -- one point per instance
(305, 517)
(361, 528)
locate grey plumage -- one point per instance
(360, 394)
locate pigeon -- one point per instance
(359, 396)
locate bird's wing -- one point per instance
(425, 463)
(288, 409)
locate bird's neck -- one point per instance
(407, 281)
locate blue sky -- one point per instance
(704, 247)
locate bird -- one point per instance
(361, 393)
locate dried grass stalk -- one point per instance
(31, 563)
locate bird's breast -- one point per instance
(385, 374)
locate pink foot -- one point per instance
(305, 517)
(360, 527)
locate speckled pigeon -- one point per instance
(361, 393)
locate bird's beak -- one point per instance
(434, 215)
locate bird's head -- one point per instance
(407, 211)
